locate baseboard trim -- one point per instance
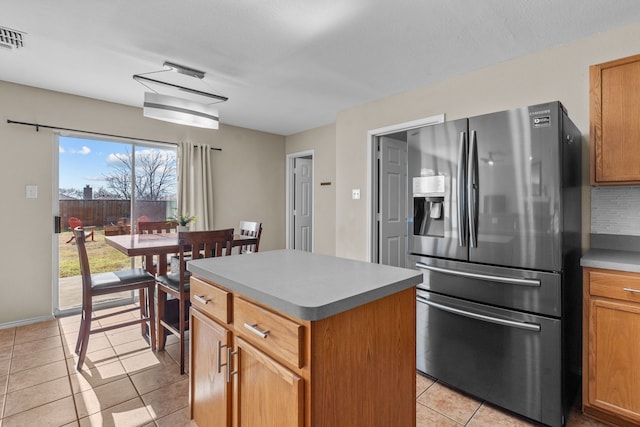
(26, 321)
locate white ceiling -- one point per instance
(286, 65)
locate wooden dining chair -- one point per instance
(253, 229)
(193, 245)
(109, 283)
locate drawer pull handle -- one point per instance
(200, 299)
(230, 371)
(220, 364)
(253, 328)
(637, 291)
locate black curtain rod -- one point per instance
(38, 126)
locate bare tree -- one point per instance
(70, 192)
(155, 177)
(103, 193)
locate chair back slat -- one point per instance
(156, 227)
(206, 244)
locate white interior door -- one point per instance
(392, 184)
(303, 204)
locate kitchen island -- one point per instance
(289, 338)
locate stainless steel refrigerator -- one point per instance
(495, 223)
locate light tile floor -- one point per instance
(439, 405)
(124, 383)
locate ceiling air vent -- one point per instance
(11, 39)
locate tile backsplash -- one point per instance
(615, 210)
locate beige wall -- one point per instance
(322, 141)
(560, 73)
(257, 190)
(249, 182)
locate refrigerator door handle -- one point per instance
(461, 190)
(489, 277)
(472, 190)
(504, 322)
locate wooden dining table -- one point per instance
(161, 244)
(150, 245)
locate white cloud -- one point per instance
(116, 158)
(60, 149)
(83, 151)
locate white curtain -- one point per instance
(195, 184)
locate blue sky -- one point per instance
(85, 161)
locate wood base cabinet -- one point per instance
(355, 368)
(260, 379)
(209, 389)
(611, 351)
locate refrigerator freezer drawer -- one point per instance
(512, 288)
(508, 358)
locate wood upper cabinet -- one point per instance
(615, 122)
(611, 349)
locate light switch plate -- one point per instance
(32, 191)
(355, 194)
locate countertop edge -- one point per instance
(310, 313)
(612, 260)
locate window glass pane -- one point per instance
(100, 182)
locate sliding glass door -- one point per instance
(108, 186)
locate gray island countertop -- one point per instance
(305, 285)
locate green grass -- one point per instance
(102, 257)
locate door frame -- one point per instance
(290, 196)
(372, 175)
(134, 143)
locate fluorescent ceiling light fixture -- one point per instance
(181, 111)
(182, 104)
(144, 80)
(157, 81)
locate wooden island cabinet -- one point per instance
(345, 359)
(611, 346)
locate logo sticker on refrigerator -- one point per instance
(542, 122)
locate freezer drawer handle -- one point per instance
(482, 317)
(501, 279)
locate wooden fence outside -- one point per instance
(103, 213)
